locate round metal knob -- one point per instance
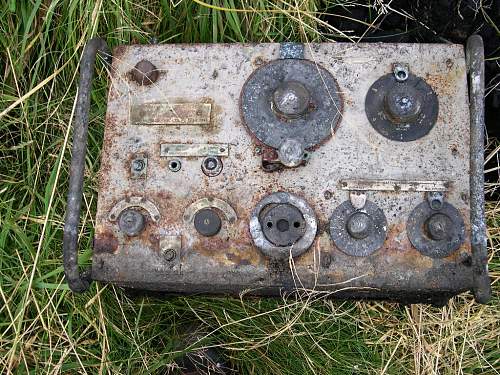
(144, 73)
(291, 153)
(207, 222)
(439, 226)
(359, 225)
(131, 222)
(403, 103)
(291, 99)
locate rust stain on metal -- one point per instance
(105, 243)
(357, 151)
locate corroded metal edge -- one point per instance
(475, 67)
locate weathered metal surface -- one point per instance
(77, 281)
(402, 106)
(393, 185)
(267, 99)
(358, 231)
(265, 222)
(475, 67)
(170, 113)
(435, 232)
(203, 203)
(229, 262)
(191, 149)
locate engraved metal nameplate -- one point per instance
(170, 114)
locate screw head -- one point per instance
(207, 222)
(131, 222)
(211, 166)
(359, 225)
(145, 73)
(439, 226)
(169, 254)
(138, 165)
(291, 99)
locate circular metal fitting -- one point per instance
(211, 166)
(207, 222)
(401, 72)
(169, 254)
(291, 153)
(138, 165)
(358, 232)
(131, 222)
(401, 109)
(439, 226)
(436, 233)
(144, 73)
(283, 224)
(291, 99)
(175, 165)
(359, 225)
(403, 104)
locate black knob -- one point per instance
(131, 222)
(207, 222)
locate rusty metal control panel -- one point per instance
(349, 169)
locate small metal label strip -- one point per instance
(393, 185)
(186, 149)
(170, 114)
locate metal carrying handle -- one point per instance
(79, 282)
(475, 66)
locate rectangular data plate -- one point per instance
(393, 185)
(187, 150)
(230, 261)
(170, 113)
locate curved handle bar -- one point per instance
(79, 282)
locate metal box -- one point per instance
(351, 170)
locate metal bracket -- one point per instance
(358, 199)
(435, 199)
(130, 202)
(79, 282)
(210, 202)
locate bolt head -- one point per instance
(359, 225)
(131, 222)
(291, 99)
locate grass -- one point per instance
(46, 329)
